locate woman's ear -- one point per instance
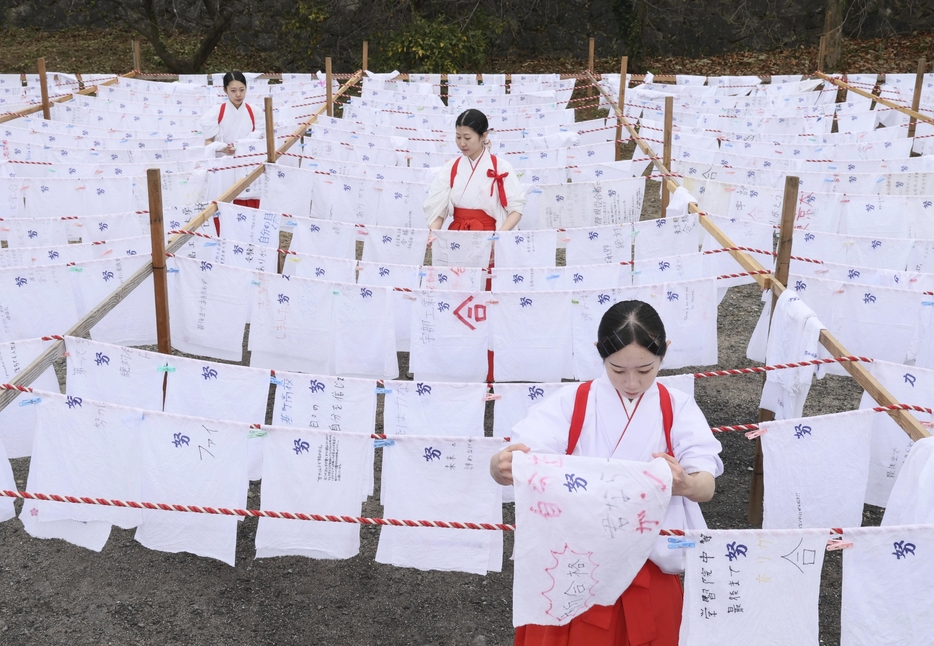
(667, 344)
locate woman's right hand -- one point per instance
(501, 463)
(230, 149)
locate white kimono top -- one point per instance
(235, 126)
(472, 189)
(545, 430)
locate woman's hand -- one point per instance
(698, 487)
(501, 463)
(230, 149)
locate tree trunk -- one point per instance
(833, 31)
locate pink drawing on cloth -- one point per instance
(572, 583)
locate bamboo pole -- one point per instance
(327, 75)
(870, 384)
(68, 97)
(821, 53)
(621, 102)
(137, 55)
(157, 233)
(919, 116)
(44, 90)
(669, 118)
(366, 55)
(782, 265)
(31, 372)
(270, 132)
(916, 99)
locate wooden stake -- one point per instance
(327, 76)
(590, 56)
(621, 102)
(270, 132)
(916, 99)
(821, 52)
(157, 233)
(366, 53)
(669, 115)
(783, 263)
(137, 55)
(44, 90)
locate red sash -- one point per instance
(580, 410)
(491, 173)
(220, 115)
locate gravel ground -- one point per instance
(52, 592)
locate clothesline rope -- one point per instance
(287, 515)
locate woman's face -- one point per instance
(632, 370)
(469, 142)
(236, 91)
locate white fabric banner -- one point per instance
(420, 477)
(580, 539)
(816, 469)
(751, 586)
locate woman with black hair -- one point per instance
(626, 414)
(232, 121)
(480, 190)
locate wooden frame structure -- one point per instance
(776, 283)
(31, 372)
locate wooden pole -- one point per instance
(327, 76)
(590, 53)
(870, 384)
(44, 90)
(157, 233)
(621, 102)
(916, 99)
(68, 97)
(137, 55)
(821, 52)
(41, 363)
(669, 116)
(782, 266)
(834, 15)
(920, 116)
(270, 132)
(366, 55)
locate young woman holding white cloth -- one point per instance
(627, 414)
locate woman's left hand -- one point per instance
(698, 487)
(680, 480)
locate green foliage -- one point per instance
(303, 28)
(436, 46)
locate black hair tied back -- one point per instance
(473, 119)
(230, 77)
(631, 322)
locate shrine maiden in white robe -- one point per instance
(546, 428)
(471, 189)
(237, 125)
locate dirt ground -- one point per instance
(52, 592)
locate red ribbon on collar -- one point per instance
(498, 182)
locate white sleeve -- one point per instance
(515, 191)
(259, 125)
(439, 195)
(694, 444)
(545, 429)
(209, 125)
